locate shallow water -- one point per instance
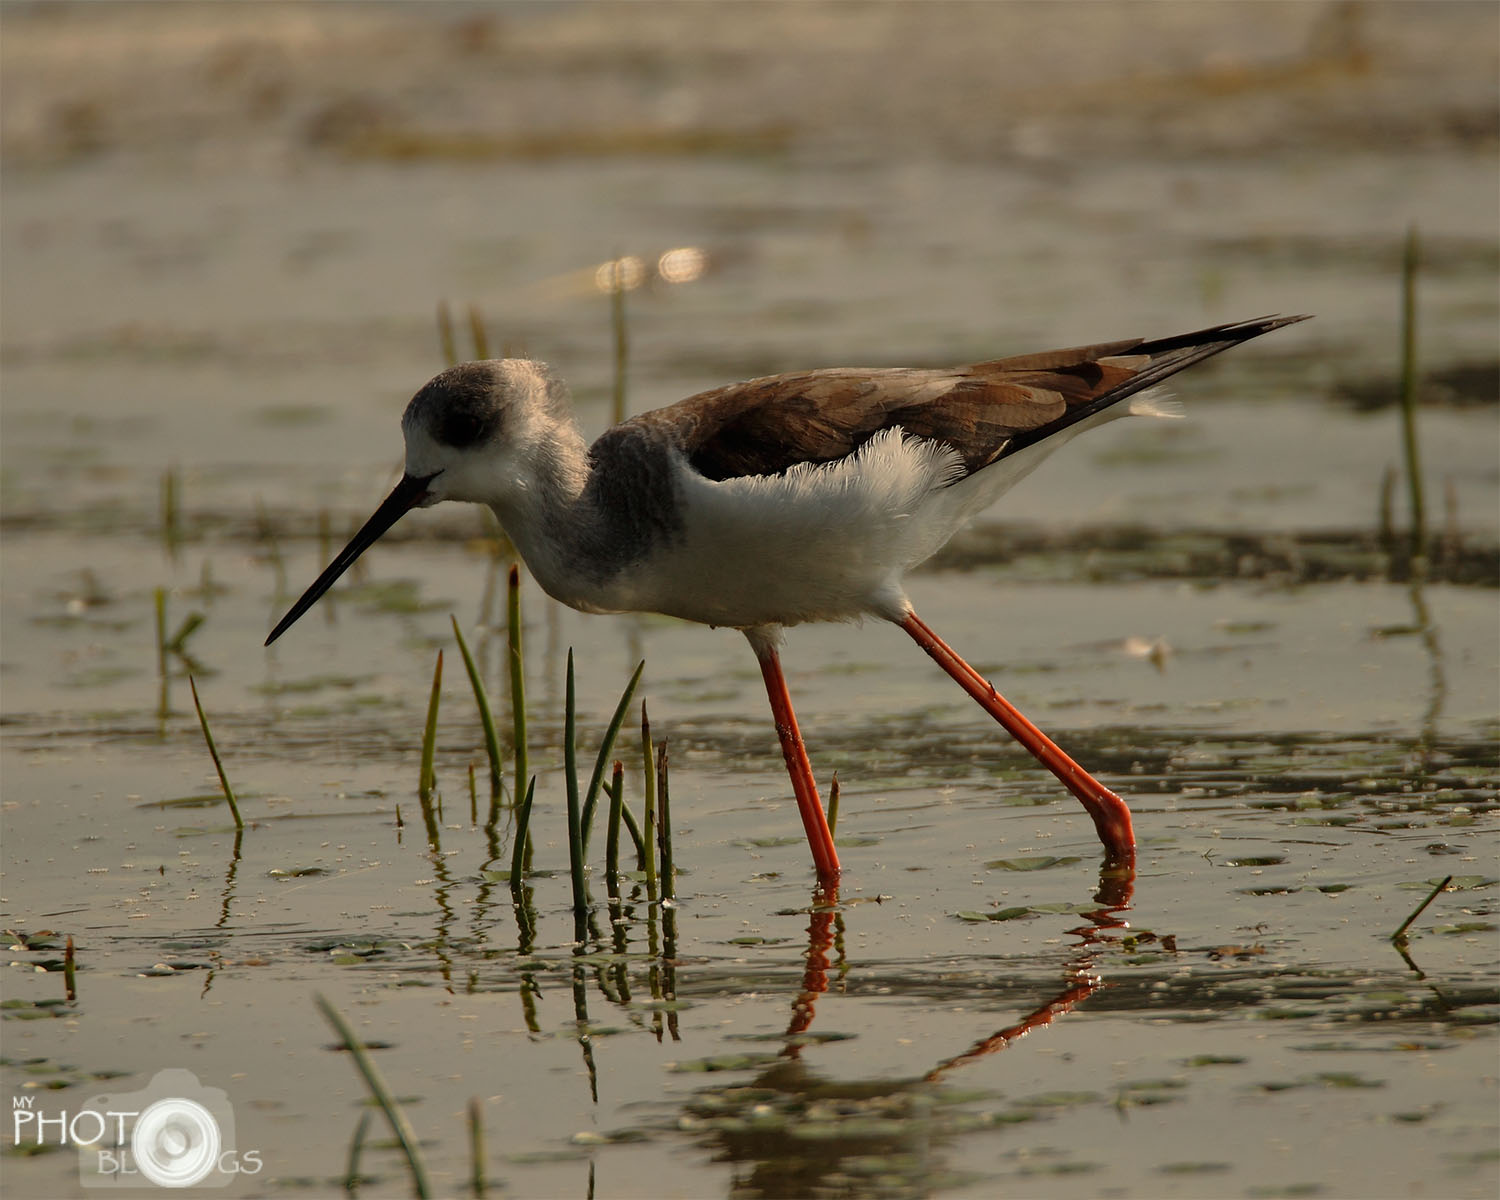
(1204, 612)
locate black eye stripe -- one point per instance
(458, 408)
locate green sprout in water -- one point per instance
(1399, 937)
(1409, 264)
(606, 748)
(213, 752)
(648, 822)
(427, 776)
(517, 674)
(570, 773)
(664, 829)
(482, 702)
(523, 834)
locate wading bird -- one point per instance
(777, 501)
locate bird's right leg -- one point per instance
(814, 822)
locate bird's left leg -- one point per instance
(1109, 812)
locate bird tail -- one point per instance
(1164, 358)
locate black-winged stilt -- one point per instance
(781, 500)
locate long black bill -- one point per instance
(406, 495)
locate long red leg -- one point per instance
(1111, 816)
(819, 837)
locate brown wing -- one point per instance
(984, 411)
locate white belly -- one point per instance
(818, 543)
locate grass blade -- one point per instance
(428, 776)
(612, 830)
(159, 597)
(517, 675)
(664, 829)
(1409, 262)
(570, 772)
(171, 528)
(1400, 935)
(213, 753)
(400, 1126)
(606, 749)
(482, 702)
(523, 835)
(634, 830)
(648, 823)
(833, 804)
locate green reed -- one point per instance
(1399, 937)
(213, 753)
(427, 776)
(616, 791)
(523, 834)
(482, 702)
(1409, 263)
(171, 515)
(517, 674)
(606, 749)
(648, 821)
(159, 598)
(664, 828)
(570, 778)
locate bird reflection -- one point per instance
(797, 1132)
